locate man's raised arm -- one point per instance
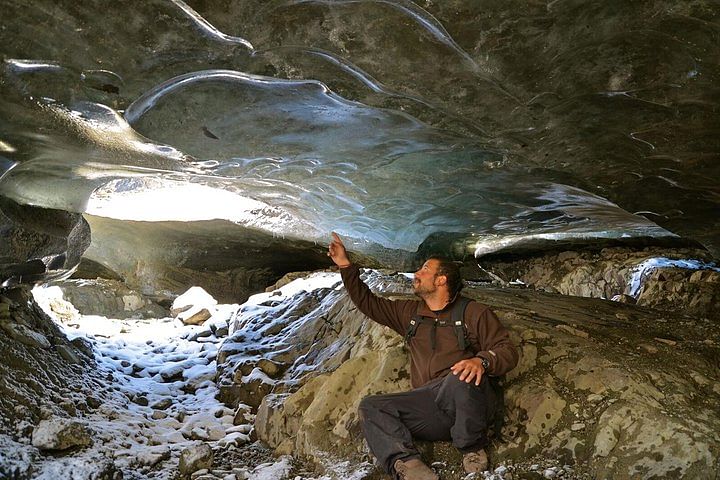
(383, 311)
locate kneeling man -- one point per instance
(455, 344)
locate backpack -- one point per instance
(457, 321)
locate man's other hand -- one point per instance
(468, 370)
(337, 252)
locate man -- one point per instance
(451, 399)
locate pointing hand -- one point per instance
(337, 252)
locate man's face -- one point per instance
(426, 279)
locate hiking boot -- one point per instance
(475, 462)
(414, 469)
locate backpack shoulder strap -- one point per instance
(413, 325)
(458, 321)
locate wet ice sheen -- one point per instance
(372, 131)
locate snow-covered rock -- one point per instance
(60, 434)
(194, 307)
(195, 457)
(153, 455)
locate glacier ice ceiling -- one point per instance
(492, 122)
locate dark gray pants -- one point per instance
(445, 409)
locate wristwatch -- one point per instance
(485, 363)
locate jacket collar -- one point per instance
(424, 310)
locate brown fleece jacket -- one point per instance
(485, 334)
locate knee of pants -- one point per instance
(367, 406)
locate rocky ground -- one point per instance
(138, 399)
(117, 386)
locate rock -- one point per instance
(596, 275)
(331, 399)
(572, 331)
(92, 402)
(271, 369)
(568, 255)
(501, 470)
(162, 404)
(543, 408)
(648, 430)
(253, 388)
(173, 371)
(199, 433)
(153, 455)
(197, 334)
(83, 345)
(25, 335)
(196, 457)
(193, 297)
(242, 414)
(196, 381)
(626, 299)
(60, 434)
(69, 408)
(215, 432)
(648, 348)
(68, 354)
(158, 415)
(194, 307)
(195, 317)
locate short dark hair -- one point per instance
(451, 271)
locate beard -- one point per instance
(423, 291)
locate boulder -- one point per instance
(60, 434)
(194, 316)
(195, 457)
(193, 307)
(153, 455)
(193, 297)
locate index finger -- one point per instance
(336, 237)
